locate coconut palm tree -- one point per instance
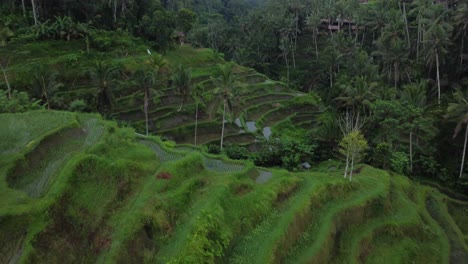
(458, 111)
(146, 79)
(461, 20)
(103, 76)
(182, 81)
(196, 93)
(45, 85)
(394, 58)
(358, 95)
(436, 41)
(226, 83)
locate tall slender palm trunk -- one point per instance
(24, 8)
(7, 82)
(411, 150)
(464, 151)
(224, 121)
(146, 112)
(196, 122)
(438, 76)
(34, 12)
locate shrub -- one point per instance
(381, 156)
(214, 149)
(399, 162)
(236, 152)
(77, 106)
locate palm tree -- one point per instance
(461, 20)
(197, 96)
(103, 76)
(3, 68)
(226, 83)
(182, 81)
(415, 94)
(436, 41)
(358, 95)
(45, 85)
(458, 111)
(146, 80)
(394, 58)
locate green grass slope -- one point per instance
(77, 189)
(259, 99)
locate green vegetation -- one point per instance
(118, 197)
(157, 131)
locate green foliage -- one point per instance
(237, 152)
(213, 149)
(399, 162)
(77, 106)
(18, 102)
(186, 18)
(381, 155)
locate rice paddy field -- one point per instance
(77, 189)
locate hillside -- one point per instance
(76, 188)
(259, 106)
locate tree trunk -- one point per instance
(411, 150)
(406, 25)
(464, 151)
(196, 122)
(352, 168)
(347, 164)
(315, 40)
(44, 91)
(438, 75)
(462, 47)
(115, 12)
(146, 112)
(224, 120)
(24, 8)
(34, 12)
(7, 82)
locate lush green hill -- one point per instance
(260, 105)
(75, 188)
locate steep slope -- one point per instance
(113, 197)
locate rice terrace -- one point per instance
(233, 131)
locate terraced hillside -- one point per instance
(77, 189)
(260, 105)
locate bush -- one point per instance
(236, 152)
(19, 102)
(399, 162)
(214, 149)
(77, 106)
(381, 156)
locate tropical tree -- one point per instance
(150, 76)
(352, 146)
(45, 85)
(196, 93)
(461, 22)
(3, 67)
(103, 76)
(358, 94)
(458, 111)
(226, 83)
(394, 58)
(182, 81)
(145, 78)
(436, 41)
